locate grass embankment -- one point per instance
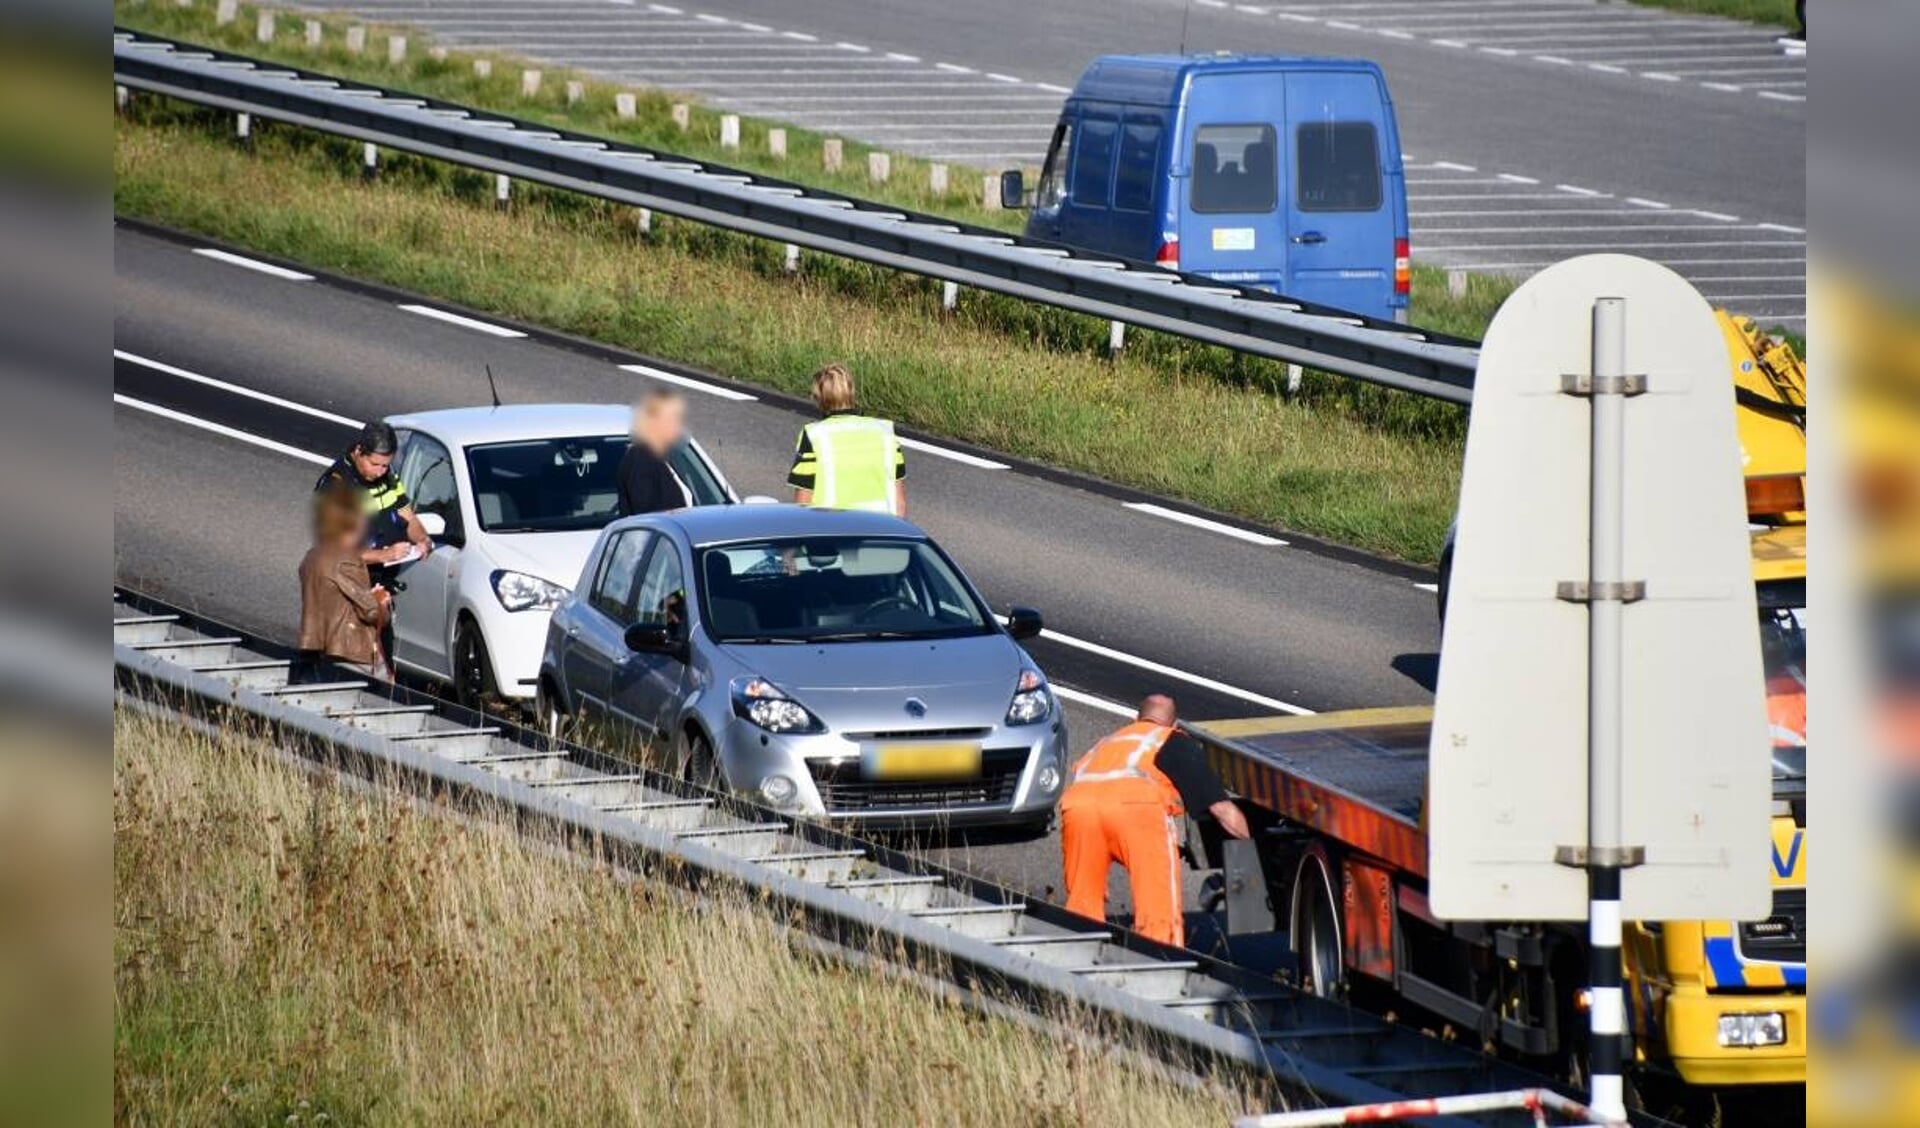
(1354, 464)
(290, 952)
(1776, 12)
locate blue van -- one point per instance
(1275, 172)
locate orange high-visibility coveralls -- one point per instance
(1787, 708)
(1119, 807)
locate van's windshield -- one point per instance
(1234, 169)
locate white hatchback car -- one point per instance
(514, 498)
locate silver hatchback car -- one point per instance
(825, 663)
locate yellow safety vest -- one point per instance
(856, 456)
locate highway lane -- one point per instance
(1535, 131)
(215, 521)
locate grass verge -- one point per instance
(290, 952)
(1778, 13)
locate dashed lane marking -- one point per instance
(661, 374)
(1090, 700)
(267, 268)
(464, 322)
(959, 456)
(1164, 670)
(1203, 523)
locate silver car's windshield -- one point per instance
(835, 589)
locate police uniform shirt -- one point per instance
(383, 498)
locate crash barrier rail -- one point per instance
(1235, 317)
(1200, 1011)
(1537, 1102)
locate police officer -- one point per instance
(847, 460)
(394, 533)
(1125, 802)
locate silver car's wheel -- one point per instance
(697, 764)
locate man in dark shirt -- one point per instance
(1125, 802)
(647, 482)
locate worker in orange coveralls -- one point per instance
(1124, 803)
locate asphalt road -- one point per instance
(215, 521)
(1536, 129)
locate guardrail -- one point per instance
(1199, 1010)
(1248, 320)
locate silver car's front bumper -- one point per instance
(1023, 769)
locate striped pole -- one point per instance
(1605, 605)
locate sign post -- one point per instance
(1599, 745)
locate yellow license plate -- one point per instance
(920, 761)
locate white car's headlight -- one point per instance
(762, 703)
(1031, 701)
(518, 591)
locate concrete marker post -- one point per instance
(226, 12)
(122, 98)
(830, 154)
(950, 296)
(682, 116)
(263, 28)
(1456, 283)
(792, 263)
(370, 162)
(530, 83)
(483, 68)
(990, 192)
(315, 34)
(243, 130)
(356, 39)
(1295, 374)
(777, 143)
(1116, 338)
(502, 191)
(644, 221)
(729, 131)
(625, 106)
(879, 167)
(576, 92)
(396, 50)
(937, 179)
(437, 54)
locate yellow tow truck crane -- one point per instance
(1338, 801)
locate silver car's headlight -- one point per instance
(760, 702)
(518, 591)
(1032, 703)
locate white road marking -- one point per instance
(900, 57)
(209, 381)
(221, 429)
(1390, 33)
(954, 68)
(854, 47)
(1172, 672)
(1781, 227)
(653, 373)
(801, 36)
(1091, 701)
(1642, 201)
(1579, 191)
(1435, 588)
(1723, 217)
(1606, 68)
(1503, 52)
(1724, 87)
(252, 264)
(1448, 43)
(1556, 59)
(463, 322)
(1660, 76)
(1050, 87)
(1203, 523)
(1453, 167)
(705, 18)
(665, 10)
(1004, 77)
(1515, 178)
(1780, 97)
(959, 456)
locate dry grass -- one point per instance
(290, 952)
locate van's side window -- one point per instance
(1339, 163)
(1053, 174)
(1092, 163)
(1133, 180)
(1234, 169)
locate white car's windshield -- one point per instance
(556, 485)
(835, 589)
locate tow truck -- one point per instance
(1338, 860)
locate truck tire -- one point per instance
(1314, 928)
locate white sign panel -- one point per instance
(1509, 752)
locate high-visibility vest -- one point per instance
(1125, 763)
(855, 456)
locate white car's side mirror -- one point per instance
(434, 524)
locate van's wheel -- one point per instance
(1315, 931)
(697, 765)
(472, 674)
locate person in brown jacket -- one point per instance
(341, 610)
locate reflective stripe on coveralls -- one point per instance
(1119, 807)
(855, 456)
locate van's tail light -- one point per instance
(1775, 494)
(1402, 268)
(1168, 256)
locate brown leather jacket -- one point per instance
(339, 614)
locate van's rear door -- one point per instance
(1232, 222)
(1340, 222)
